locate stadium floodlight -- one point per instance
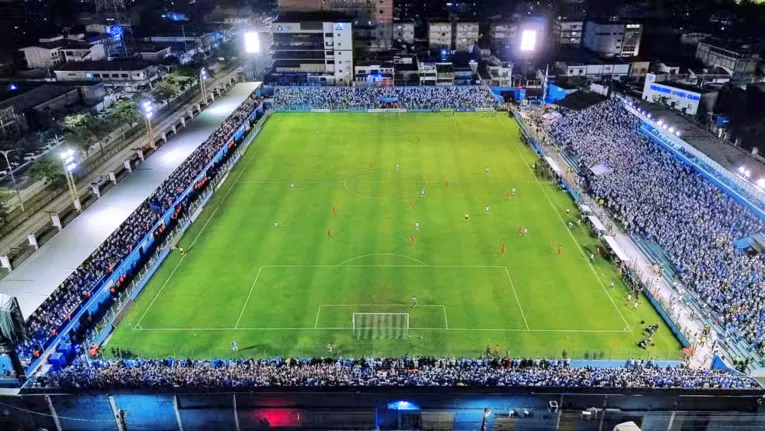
(747, 173)
(664, 126)
(761, 183)
(677, 133)
(251, 42)
(528, 40)
(649, 115)
(660, 122)
(671, 130)
(741, 170)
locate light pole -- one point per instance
(13, 179)
(252, 47)
(148, 112)
(202, 78)
(67, 159)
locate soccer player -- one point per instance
(525, 231)
(397, 166)
(292, 186)
(414, 301)
(235, 346)
(422, 193)
(276, 224)
(570, 225)
(411, 203)
(629, 298)
(447, 183)
(612, 284)
(568, 211)
(487, 170)
(412, 240)
(560, 249)
(634, 306)
(333, 209)
(487, 209)
(329, 349)
(329, 233)
(592, 257)
(507, 195)
(417, 226)
(513, 191)
(520, 230)
(181, 251)
(466, 217)
(503, 248)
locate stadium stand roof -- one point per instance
(37, 277)
(724, 154)
(580, 100)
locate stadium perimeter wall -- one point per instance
(574, 194)
(366, 408)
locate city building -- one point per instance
(613, 38)
(312, 51)
(568, 32)
(688, 99)
(376, 11)
(440, 35)
(371, 36)
(465, 35)
(54, 51)
(374, 73)
(737, 58)
(35, 106)
(128, 75)
(403, 32)
(579, 62)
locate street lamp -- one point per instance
(13, 179)
(202, 78)
(148, 113)
(252, 47)
(67, 159)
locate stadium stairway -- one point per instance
(736, 346)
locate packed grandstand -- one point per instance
(654, 194)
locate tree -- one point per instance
(577, 81)
(125, 113)
(166, 90)
(177, 79)
(46, 169)
(5, 195)
(84, 129)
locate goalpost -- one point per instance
(372, 326)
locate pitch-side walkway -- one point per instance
(38, 276)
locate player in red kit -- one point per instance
(411, 203)
(412, 240)
(503, 248)
(333, 209)
(507, 195)
(560, 249)
(447, 183)
(329, 233)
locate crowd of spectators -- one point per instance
(423, 371)
(340, 98)
(658, 197)
(60, 306)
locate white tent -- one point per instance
(616, 249)
(597, 225)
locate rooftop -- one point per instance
(686, 87)
(578, 56)
(738, 46)
(104, 65)
(35, 96)
(580, 100)
(312, 17)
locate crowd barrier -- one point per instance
(101, 294)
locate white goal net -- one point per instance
(380, 326)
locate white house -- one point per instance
(52, 52)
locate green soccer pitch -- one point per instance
(290, 289)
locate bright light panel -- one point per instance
(528, 40)
(251, 42)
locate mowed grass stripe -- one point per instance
(556, 292)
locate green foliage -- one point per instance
(166, 90)
(46, 169)
(82, 130)
(5, 195)
(124, 113)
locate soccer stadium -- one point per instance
(426, 246)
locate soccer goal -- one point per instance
(380, 326)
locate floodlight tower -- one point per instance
(252, 48)
(118, 31)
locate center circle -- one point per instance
(385, 183)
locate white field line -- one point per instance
(347, 328)
(381, 181)
(244, 168)
(456, 129)
(241, 313)
(316, 324)
(518, 301)
(578, 246)
(382, 254)
(382, 266)
(446, 320)
(381, 305)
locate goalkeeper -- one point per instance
(414, 302)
